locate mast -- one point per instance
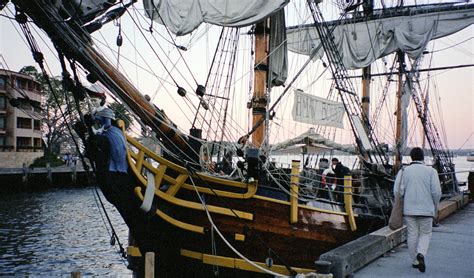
(366, 71)
(398, 135)
(259, 99)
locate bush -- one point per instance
(52, 160)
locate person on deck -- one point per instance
(419, 186)
(340, 172)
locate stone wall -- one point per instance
(16, 159)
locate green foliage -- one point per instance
(51, 159)
(121, 113)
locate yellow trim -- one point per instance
(191, 254)
(258, 197)
(295, 170)
(252, 189)
(198, 206)
(133, 251)
(171, 220)
(218, 260)
(140, 158)
(137, 164)
(238, 263)
(239, 237)
(348, 202)
(175, 187)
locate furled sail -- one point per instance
(184, 16)
(362, 42)
(309, 142)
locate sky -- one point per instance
(454, 88)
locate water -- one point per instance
(55, 232)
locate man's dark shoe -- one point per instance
(415, 265)
(421, 262)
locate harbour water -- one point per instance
(55, 232)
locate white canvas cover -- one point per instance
(183, 16)
(314, 110)
(360, 44)
(309, 142)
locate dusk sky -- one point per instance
(454, 87)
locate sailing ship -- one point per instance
(258, 217)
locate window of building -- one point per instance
(23, 143)
(36, 106)
(21, 83)
(3, 102)
(36, 124)
(3, 83)
(2, 122)
(37, 142)
(25, 104)
(23, 123)
(2, 140)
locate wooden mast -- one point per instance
(259, 99)
(366, 71)
(398, 135)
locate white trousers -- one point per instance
(419, 234)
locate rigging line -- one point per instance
(174, 66)
(467, 140)
(222, 201)
(135, 63)
(451, 46)
(69, 39)
(225, 240)
(78, 109)
(174, 43)
(167, 56)
(156, 54)
(210, 70)
(48, 81)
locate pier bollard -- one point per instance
(49, 175)
(150, 265)
(73, 174)
(25, 174)
(76, 274)
(470, 184)
(323, 267)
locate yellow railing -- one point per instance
(295, 169)
(348, 202)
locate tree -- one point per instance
(121, 113)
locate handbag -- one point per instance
(395, 221)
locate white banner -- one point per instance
(314, 110)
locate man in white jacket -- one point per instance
(421, 191)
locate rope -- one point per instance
(224, 239)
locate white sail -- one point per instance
(361, 43)
(184, 16)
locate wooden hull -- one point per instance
(180, 231)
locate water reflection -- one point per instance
(57, 232)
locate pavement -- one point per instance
(451, 252)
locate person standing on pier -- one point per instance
(421, 191)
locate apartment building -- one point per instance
(20, 121)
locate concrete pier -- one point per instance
(19, 179)
(356, 255)
(450, 254)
